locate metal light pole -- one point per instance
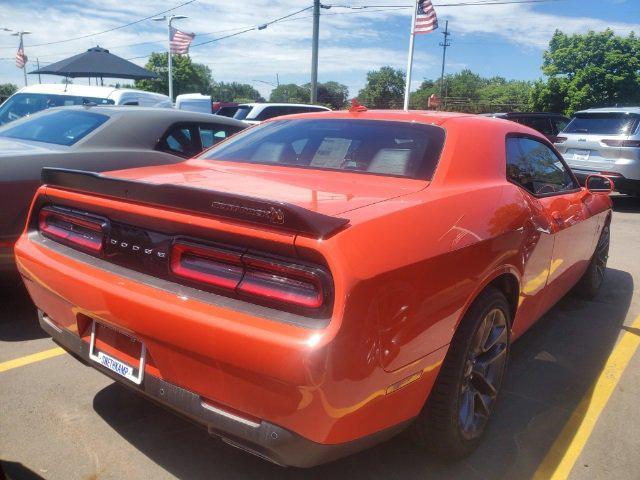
(20, 34)
(169, 19)
(314, 51)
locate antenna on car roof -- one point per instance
(356, 106)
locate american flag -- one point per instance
(180, 41)
(426, 19)
(21, 58)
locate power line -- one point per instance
(110, 29)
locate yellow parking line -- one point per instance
(26, 360)
(565, 451)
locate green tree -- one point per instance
(290, 93)
(419, 100)
(188, 77)
(595, 69)
(7, 89)
(384, 89)
(235, 92)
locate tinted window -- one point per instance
(227, 111)
(603, 123)
(22, 104)
(179, 140)
(241, 112)
(212, 134)
(541, 124)
(535, 167)
(270, 112)
(385, 148)
(561, 123)
(64, 127)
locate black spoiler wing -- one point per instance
(277, 215)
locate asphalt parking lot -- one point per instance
(570, 406)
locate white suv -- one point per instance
(604, 141)
(34, 98)
(253, 113)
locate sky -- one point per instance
(506, 40)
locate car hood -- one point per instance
(322, 191)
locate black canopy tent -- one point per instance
(96, 62)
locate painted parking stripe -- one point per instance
(26, 360)
(565, 451)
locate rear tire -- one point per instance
(462, 399)
(591, 281)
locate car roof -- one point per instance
(418, 116)
(523, 114)
(611, 110)
(191, 96)
(83, 90)
(264, 105)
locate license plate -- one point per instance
(116, 365)
(582, 155)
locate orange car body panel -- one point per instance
(411, 261)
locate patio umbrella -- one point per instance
(96, 62)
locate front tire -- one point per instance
(591, 281)
(461, 402)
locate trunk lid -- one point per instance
(322, 191)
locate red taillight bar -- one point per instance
(273, 280)
(560, 140)
(73, 228)
(213, 266)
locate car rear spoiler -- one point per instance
(274, 214)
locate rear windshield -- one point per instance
(397, 149)
(603, 124)
(64, 127)
(22, 104)
(241, 112)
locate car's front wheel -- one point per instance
(591, 281)
(464, 395)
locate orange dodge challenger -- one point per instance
(314, 285)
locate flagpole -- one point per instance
(407, 88)
(170, 60)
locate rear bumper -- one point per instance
(263, 439)
(622, 184)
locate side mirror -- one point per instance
(599, 184)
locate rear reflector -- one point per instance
(622, 143)
(86, 232)
(212, 266)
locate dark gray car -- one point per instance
(98, 138)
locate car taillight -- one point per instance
(272, 280)
(622, 143)
(212, 266)
(285, 283)
(75, 229)
(560, 140)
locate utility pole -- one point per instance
(38, 63)
(314, 51)
(444, 46)
(169, 19)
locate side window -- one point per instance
(212, 134)
(536, 168)
(179, 141)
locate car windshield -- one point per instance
(64, 127)
(22, 104)
(399, 149)
(242, 112)
(603, 123)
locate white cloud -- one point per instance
(351, 44)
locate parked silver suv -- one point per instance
(604, 141)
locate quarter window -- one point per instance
(536, 167)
